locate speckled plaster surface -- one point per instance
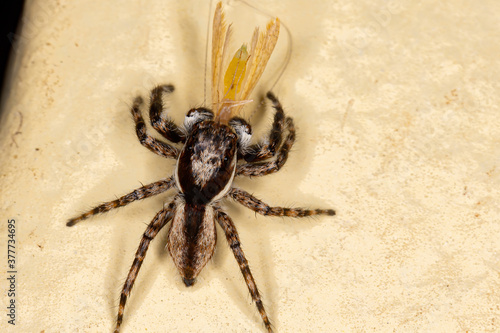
(396, 105)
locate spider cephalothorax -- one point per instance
(216, 148)
(207, 162)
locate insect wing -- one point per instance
(244, 70)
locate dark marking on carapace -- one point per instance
(206, 164)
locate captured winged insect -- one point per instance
(211, 148)
(232, 84)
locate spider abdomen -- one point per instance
(191, 239)
(207, 163)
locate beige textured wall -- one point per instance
(396, 104)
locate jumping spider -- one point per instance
(206, 166)
(213, 143)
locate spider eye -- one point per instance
(243, 131)
(195, 116)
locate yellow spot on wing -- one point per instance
(235, 73)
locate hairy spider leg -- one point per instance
(156, 146)
(159, 221)
(138, 194)
(234, 243)
(265, 168)
(258, 206)
(267, 149)
(164, 126)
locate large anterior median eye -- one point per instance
(243, 131)
(195, 116)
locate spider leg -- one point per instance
(265, 168)
(262, 151)
(165, 127)
(159, 221)
(249, 201)
(234, 243)
(141, 193)
(155, 145)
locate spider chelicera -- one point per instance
(206, 166)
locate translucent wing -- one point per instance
(220, 39)
(233, 83)
(262, 47)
